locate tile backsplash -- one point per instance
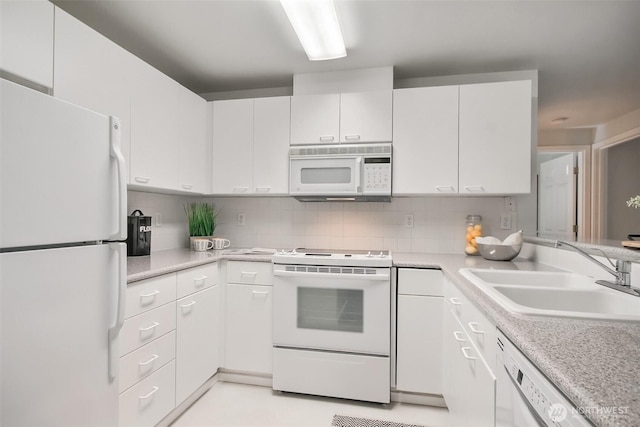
(283, 222)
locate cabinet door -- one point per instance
(248, 338)
(154, 131)
(26, 40)
(92, 71)
(453, 370)
(315, 119)
(232, 146)
(271, 125)
(425, 140)
(495, 138)
(419, 351)
(366, 116)
(198, 340)
(192, 131)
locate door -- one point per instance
(56, 311)
(61, 172)
(557, 197)
(332, 311)
(326, 176)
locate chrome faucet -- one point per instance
(622, 271)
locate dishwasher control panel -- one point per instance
(546, 403)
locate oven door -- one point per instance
(332, 308)
(327, 176)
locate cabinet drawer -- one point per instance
(149, 401)
(146, 327)
(196, 279)
(252, 273)
(420, 281)
(151, 293)
(146, 360)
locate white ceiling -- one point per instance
(587, 52)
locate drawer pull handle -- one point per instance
(187, 305)
(327, 138)
(445, 189)
(474, 328)
(455, 301)
(240, 189)
(263, 189)
(149, 295)
(353, 137)
(199, 281)
(154, 357)
(457, 338)
(151, 393)
(142, 179)
(474, 188)
(465, 353)
(259, 294)
(187, 186)
(148, 328)
(249, 273)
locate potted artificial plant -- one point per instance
(202, 220)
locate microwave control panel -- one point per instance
(377, 175)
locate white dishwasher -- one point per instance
(524, 397)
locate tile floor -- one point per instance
(238, 405)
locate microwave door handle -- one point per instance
(358, 174)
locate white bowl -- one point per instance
(499, 252)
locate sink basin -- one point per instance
(559, 294)
(535, 278)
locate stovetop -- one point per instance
(355, 258)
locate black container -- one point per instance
(139, 234)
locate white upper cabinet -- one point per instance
(271, 124)
(193, 143)
(315, 119)
(232, 146)
(92, 71)
(26, 40)
(425, 140)
(468, 139)
(366, 116)
(155, 148)
(341, 118)
(495, 138)
(251, 146)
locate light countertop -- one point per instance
(594, 363)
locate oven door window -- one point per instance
(330, 309)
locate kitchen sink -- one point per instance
(534, 278)
(560, 294)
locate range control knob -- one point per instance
(369, 254)
(382, 255)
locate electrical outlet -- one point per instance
(509, 204)
(408, 220)
(505, 222)
(158, 219)
(240, 219)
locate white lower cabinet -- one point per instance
(248, 320)
(419, 335)
(469, 383)
(168, 348)
(198, 343)
(147, 402)
(248, 340)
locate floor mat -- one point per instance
(345, 421)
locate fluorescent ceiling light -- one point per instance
(316, 24)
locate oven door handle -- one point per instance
(302, 274)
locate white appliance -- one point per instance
(340, 172)
(524, 397)
(331, 330)
(62, 262)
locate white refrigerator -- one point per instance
(62, 261)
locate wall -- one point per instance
(284, 222)
(169, 224)
(623, 178)
(561, 137)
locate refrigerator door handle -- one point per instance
(121, 232)
(119, 249)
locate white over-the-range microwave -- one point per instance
(340, 172)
